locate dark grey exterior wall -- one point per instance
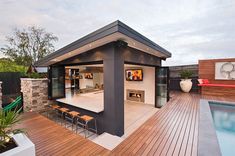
(138, 57)
(113, 56)
(129, 54)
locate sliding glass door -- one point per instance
(56, 83)
(161, 85)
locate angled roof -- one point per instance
(112, 32)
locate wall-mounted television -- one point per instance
(88, 76)
(134, 75)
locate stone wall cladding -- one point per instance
(34, 94)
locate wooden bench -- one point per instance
(217, 89)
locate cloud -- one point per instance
(191, 30)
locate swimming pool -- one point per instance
(224, 122)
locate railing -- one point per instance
(16, 104)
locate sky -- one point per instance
(189, 29)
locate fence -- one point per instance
(174, 84)
(10, 86)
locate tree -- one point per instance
(29, 45)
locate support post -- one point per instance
(114, 90)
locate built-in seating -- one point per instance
(216, 89)
(219, 81)
(217, 85)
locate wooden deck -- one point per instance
(52, 139)
(173, 130)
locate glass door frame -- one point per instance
(156, 83)
(50, 84)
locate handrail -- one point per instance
(13, 104)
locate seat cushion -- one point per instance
(200, 81)
(205, 81)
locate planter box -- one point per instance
(24, 147)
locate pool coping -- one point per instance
(207, 140)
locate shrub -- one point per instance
(7, 122)
(33, 75)
(185, 74)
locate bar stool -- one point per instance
(61, 113)
(53, 109)
(48, 110)
(55, 106)
(84, 122)
(71, 116)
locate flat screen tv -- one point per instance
(134, 75)
(88, 76)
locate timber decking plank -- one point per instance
(189, 146)
(195, 136)
(155, 131)
(52, 139)
(140, 139)
(177, 128)
(141, 131)
(149, 143)
(173, 130)
(158, 138)
(153, 138)
(183, 139)
(175, 134)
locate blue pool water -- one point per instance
(224, 122)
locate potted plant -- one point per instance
(13, 141)
(186, 83)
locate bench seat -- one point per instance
(217, 85)
(217, 89)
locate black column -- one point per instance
(114, 89)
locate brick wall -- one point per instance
(34, 94)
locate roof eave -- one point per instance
(114, 27)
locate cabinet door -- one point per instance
(161, 84)
(56, 83)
